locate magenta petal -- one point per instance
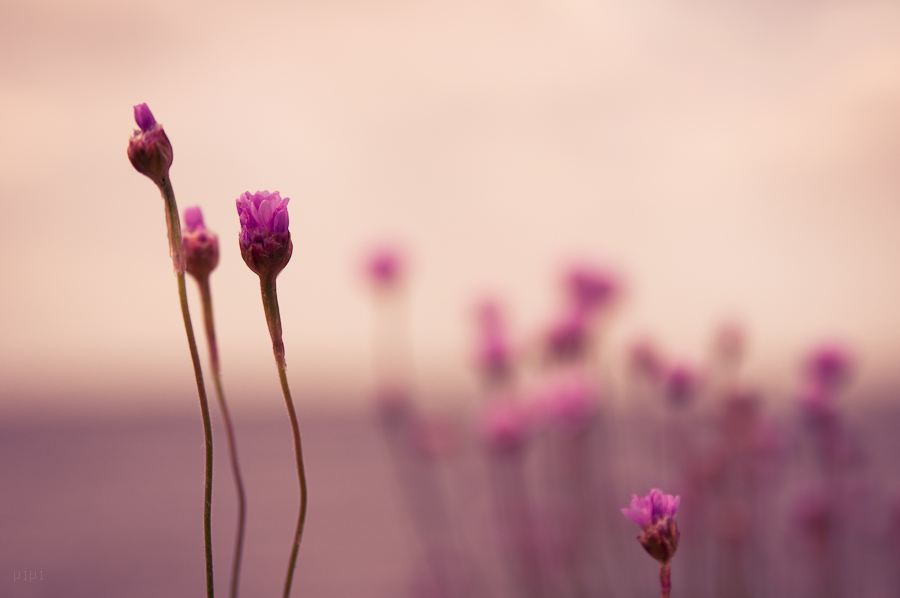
(143, 117)
(193, 219)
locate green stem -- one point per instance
(273, 319)
(209, 324)
(177, 252)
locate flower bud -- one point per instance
(201, 247)
(264, 239)
(655, 513)
(149, 149)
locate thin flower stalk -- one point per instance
(266, 248)
(201, 249)
(151, 154)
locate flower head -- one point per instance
(682, 383)
(201, 247)
(505, 426)
(590, 287)
(829, 365)
(149, 149)
(264, 239)
(492, 351)
(384, 267)
(655, 513)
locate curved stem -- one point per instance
(177, 252)
(273, 319)
(209, 324)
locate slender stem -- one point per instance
(177, 252)
(273, 319)
(665, 579)
(209, 323)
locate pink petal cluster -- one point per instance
(149, 149)
(265, 241)
(655, 513)
(201, 247)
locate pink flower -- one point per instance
(492, 352)
(568, 401)
(655, 513)
(829, 365)
(569, 336)
(384, 267)
(590, 287)
(505, 426)
(149, 149)
(201, 247)
(682, 384)
(264, 239)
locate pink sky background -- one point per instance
(731, 159)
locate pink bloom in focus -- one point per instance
(655, 513)
(264, 238)
(201, 247)
(149, 149)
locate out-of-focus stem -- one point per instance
(665, 579)
(273, 319)
(176, 250)
(209, 324)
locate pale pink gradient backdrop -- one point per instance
(733, 159)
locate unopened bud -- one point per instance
(149, 149)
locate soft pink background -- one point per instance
(734, 159)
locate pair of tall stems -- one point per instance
(273, 319)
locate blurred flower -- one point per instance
(645, 360)
(492, 352)
(384, 267)
(729, 342)
(568, 401)
(829, 365)
(201, 247)
(655, 513)
(813, 511)
(505, 426)
(682, 383)
(568, 337)
(590, 287)
(149, 149)
(264, 238)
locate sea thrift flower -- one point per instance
(655, 513)
(830, 365)
(493, 355)
(682, 383)
(505, 426)
(568, 402)
(149, 149)
(568, 338)
(201, 247)
(590, 287)
(266, 247)
(264, 239)
(645, 360)
(384, 267)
